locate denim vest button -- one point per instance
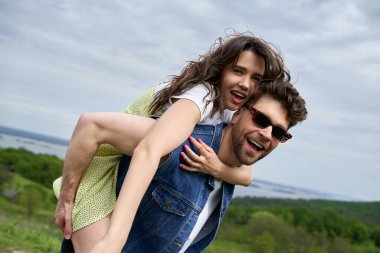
(168, 202)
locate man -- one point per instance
(168, 213)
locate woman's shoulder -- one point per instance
(216, 118)
(203, 92)
(204, 88)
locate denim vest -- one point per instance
(173, 201)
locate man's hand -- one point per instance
(62, 216)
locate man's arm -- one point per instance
(78, 157)
(124, 131)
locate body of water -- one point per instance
(37, 143)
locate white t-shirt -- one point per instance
(197, 94)
(212, 201)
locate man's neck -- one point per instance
(226, 152)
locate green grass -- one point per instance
(251, 224)
(26, 222)
(18, 231)
(222, 246)
(16, 235)
(26, 189)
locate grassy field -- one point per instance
(255, 225)
(22, 232)
(26, 222)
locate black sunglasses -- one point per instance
(263, 121)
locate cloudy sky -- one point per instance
(61, 58)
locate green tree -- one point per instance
(31, 198)
(265, 222)
(315, 250)
(40, 168)
(301, 216)
(338, 245)
(334, 226)
(264, 243)
(375, 235)
(359, 232)
(6, 177)
(240, 215)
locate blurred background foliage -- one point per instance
(259, 225)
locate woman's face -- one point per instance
(240, 81)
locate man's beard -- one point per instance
(244, 157)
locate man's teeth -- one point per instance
(258, 146)
(238, 94)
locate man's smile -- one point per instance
(255, 144)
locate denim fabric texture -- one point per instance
(173, 201)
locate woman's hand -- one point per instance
(207, 162)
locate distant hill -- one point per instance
(367, 212)
(262, 188)
(33, 136)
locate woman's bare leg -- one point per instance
(85, 239)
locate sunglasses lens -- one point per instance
(261, 120)
(279, 133)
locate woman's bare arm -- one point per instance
(169, 132)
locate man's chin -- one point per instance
(252, 159)
(249, 160)
(261, 156)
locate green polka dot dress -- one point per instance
(96, 195)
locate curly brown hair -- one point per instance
(285, 93)
(209, 69)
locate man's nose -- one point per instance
(266, 133)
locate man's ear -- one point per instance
(236, 116)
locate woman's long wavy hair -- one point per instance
(209, 69)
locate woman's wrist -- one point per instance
(218, 171)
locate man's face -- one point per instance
(251, 143)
